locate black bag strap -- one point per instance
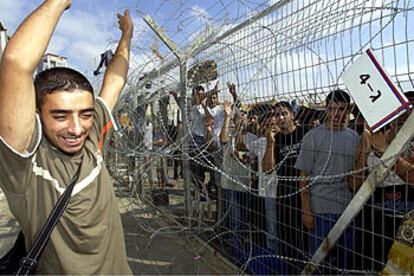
(28, 263)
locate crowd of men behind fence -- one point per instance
(281, 175)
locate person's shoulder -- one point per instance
(312, 132)
(100, 105)
(249, 137)
(258, 146)
(103, 113)
(261, 141)
(218, 109)
(352, 133)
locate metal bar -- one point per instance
(185, 147)
(168, 42)
(242, 25)
(369, 186)
(183, 104)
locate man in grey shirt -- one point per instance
(326, 154)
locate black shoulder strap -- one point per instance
(28, 263)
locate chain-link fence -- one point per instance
(239, 124)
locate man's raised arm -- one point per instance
(269, 161)
(20, 58)
(116, 73)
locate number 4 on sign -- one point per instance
(364, 78)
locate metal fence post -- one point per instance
(183, 105)
(185, 147)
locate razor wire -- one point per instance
(298, 52)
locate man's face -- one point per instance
(67, 118)
(252, 120)
(337, 115)
(213, 100)
(272, 123)
(198, 96)
(284, 118)
(253, 124)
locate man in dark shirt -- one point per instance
(281, 152)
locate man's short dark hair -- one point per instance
(284, 104)
(410, 96)
(338, 96)
(59, 78)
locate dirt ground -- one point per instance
(155, 244)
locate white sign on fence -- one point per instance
(377, 97)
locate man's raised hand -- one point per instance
(117, 72)
(232, 89)
(67, 3)
(125, 23)
(271, 135)
(227, 106)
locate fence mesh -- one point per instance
(256, 156)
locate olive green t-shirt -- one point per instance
(89, 236)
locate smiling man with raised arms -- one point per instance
(48, 129)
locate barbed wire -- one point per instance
(297, 52)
